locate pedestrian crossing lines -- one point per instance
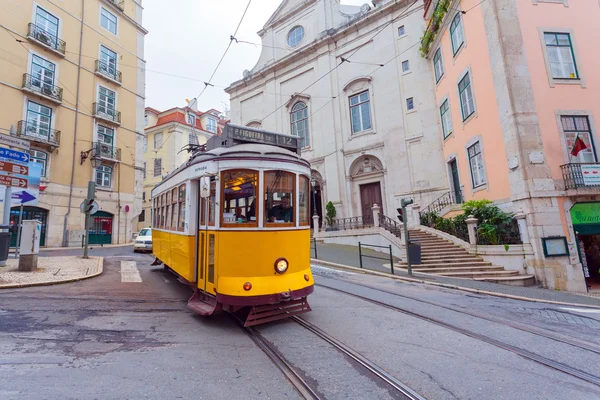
(129, 272)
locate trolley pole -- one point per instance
(404, 203)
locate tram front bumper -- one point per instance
(273, 298)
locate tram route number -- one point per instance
(263, 137)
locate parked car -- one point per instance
(143, 241)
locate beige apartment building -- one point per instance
(72, 83)
(168, 134)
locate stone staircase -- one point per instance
(442, 257)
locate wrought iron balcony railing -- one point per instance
(581, 175)
(39, 86)
(105, 150)
(106, 113)
(344, 224)
(46, 38)
(37, 133)
(108, 71)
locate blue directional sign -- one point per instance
(14, 155)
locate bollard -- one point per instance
(391, 260)
(360, 254)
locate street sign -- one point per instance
(93, 210)
(14, 155)
(19, 169)
(13, 181)
(29, 196)
(14, 142)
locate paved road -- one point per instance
(128, 334)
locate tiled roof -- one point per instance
(152, 110)
(178, 115)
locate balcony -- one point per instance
(43, 89)
(107, 114)
(46, 39)
(120, 4)
(581, 175)
(106, 71)
(106, 151)
(35, 133)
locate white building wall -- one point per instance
(407, 143)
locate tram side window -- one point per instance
(212, 202)
(280, 187)
(181, 225)
(239, 195)
(174, 209)
(163, 213)
(304, 201)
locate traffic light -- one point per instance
(89, 201)
(400, 215)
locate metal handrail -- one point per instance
(390, 225)
(46, 38)
(107, 113)
(578, 175)
(103, 68)
(41, 87)
(105, 150)
(36, 133)
(352, 223)
(448, 198)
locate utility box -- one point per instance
(30, 245)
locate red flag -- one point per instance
(579, 146)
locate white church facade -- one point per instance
(350, 82)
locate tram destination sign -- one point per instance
(244, 134)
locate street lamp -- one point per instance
(314, 197)
(96, 162)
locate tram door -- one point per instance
(207, 238)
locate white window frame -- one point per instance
(101, 170)
(115, 108)
(34, 20)
(295, 122)
(190, 119)
(402, 27)
(410, 101)
(145, 171)
(106, 71)
(157, 164)
(405, 63)
(568, 158)
(116, 22)
(558, 81)
(211, 124)
(159, 135)
(44, 161)
(358, 105)
(289, 35)
(460, 27)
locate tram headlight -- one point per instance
(281, 265)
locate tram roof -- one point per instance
(247, 150)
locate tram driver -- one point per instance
(282, 212)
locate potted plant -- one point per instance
(330, 214)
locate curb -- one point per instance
(49, 283)
(448, 286)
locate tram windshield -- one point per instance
(239, 197)
(279, 197)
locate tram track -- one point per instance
(301, 385)
(581, 344)
(564, 368)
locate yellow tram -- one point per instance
(233, 222)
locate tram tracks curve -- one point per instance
(581, 344)
(301, 385)
(556, 365)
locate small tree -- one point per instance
(330, 213)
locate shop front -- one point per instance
(586, 224)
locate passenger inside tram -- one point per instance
(283, 212)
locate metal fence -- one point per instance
(343, 224)
(390, 225)
(361, 255)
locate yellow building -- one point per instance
(167, 135)
(72, 84)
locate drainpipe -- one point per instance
(119, 205)
(75, 128)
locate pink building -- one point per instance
(519, 100)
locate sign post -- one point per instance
(87, 209)
(404, 203)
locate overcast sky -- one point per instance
(188, 37)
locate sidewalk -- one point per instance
(92, 246)
(348, 256)
(51, 270)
